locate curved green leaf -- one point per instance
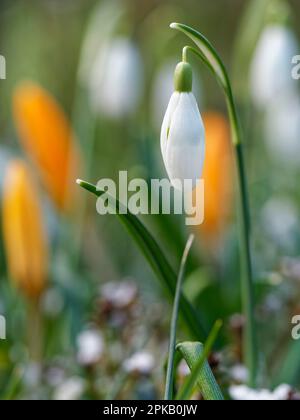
(186, 391)
(156, 259)
(208, 54)
(192, 352)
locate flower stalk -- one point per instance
(211, 59)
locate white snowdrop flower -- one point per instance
(282, 127)
(270, 72)
(90, 347)
(120, 295)
(244, 393)
(115, 83)
(182, 134)
(70, 390)
(141, 362)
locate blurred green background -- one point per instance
(97, 281)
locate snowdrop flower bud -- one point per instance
(182, 133)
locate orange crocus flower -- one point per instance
(23, 229)
(217, 175)
(47, 137)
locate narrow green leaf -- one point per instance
(156, 259)
(186, 391)
(173, 329)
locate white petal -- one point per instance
(167, 121)
(185, 146)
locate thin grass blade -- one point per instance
(173, 329)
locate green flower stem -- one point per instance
(248, 300)
(212, 60)
(173, 329)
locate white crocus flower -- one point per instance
(182, 133)
(270, 73)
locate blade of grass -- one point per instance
(174, 320)
(209, 56)
(187, 388)
(156, 259)
(192, 352)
